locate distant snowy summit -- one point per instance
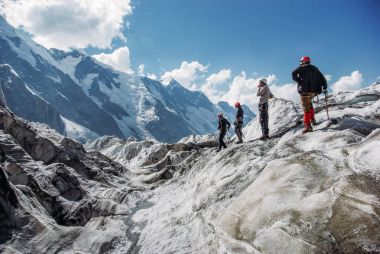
(83, 98)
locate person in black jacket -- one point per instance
(239, 122)
(223, 127)
(310, 82)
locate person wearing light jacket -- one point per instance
(265, 94)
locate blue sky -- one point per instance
(220, 47)
(256, 36)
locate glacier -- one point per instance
(294, 193)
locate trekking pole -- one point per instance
(327, 106)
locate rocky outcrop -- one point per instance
(49, 183)
(8, 205)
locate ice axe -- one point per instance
(327, 106)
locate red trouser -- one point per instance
(307, 104)
(308, 116)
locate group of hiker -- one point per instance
(310, 82)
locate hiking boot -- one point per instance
(239, 142)
(218, 150)
(307, 129)
(264, 137)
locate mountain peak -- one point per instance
(5, 27)
(223, 104)
(174, 83)
(60, 54)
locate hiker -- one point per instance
(239, 123)
(223, 127)
(310, 82)
(265, 94)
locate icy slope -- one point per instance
(284, 115)
(313, 193)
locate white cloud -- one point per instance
(348, 83)
(211, 86)
(216, 87)
(69, 23)
(244, 89)
(219, 78)
(119, 59)
(286, 91)
(328, 77)
(140, 70)
(152, 76)
(186, 74)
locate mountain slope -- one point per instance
(102, 100)
(25, 102)
(36, 67)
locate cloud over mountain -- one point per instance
(349, 83)
(118, 59)
(64, 24)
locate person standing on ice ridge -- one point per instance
(223, 127)
(265, 94)
(239, 122)
(310, 82)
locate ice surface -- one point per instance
(261, 197)
(294, 193)
(282, 116)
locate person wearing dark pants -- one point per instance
(265, 94)
(223, 127)
(239, 123)
(264, 118)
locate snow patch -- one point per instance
(77, 131)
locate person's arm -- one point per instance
(324, 82)
(219, 125)
(295, 75)
(228, 124)
(271, 96)
(239, 113)
(261, 91)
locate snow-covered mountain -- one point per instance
(313, 193)
(95, 100)
(25, 102)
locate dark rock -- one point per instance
(358, 124)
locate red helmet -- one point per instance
(237, 104)
(305, 59)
